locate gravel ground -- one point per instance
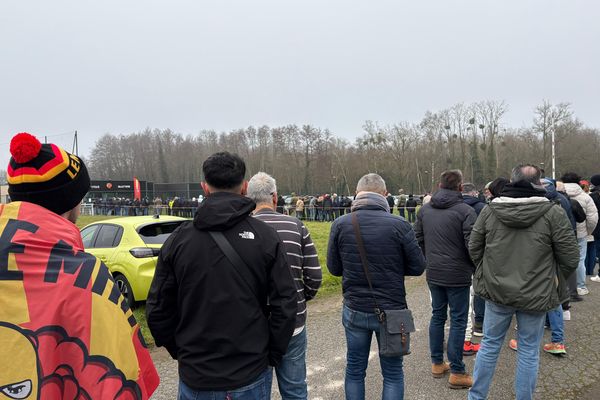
(565, 378)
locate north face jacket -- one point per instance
(524, 250)
(214, 322)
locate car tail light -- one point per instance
(144, 252)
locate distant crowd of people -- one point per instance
(323, 208)
(124, 206)
(120, 206)
(328, 207)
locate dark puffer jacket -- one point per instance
(474, 202)
(525, 251)
(443, 229)
(559, 198)
(392, 252)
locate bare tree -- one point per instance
(547, 117)
(311, 160)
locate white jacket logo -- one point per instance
(246, 235)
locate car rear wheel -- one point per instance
(125, 289)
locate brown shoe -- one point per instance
(460, 381)
(438, 370)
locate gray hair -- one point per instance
(526, 172)
(371, 183)
(261, 188)
(469, 188)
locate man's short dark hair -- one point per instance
(451, 179)
(469, 188)
(497, 186)
(571, 177)
(224, 170)
(526, 172)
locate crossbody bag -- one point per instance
(395, 325)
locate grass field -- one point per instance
(320, 235)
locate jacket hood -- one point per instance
(573, 189)
(445, 198)
(370, 201)
(471, 200)
(222, 210)
(551, 192)
(520, 213)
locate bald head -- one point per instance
(526, 172)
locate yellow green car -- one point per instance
(129, 247)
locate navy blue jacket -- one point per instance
(553, 195)
(474, 202)
(392, 251)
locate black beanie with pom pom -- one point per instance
(45, 174)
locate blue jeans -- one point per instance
(359, 328)
(557, 324)
(479, 309)
(260, 389)
(581, 267)
(496, 324)
(590, 258)
(291, 372)
(457, 298)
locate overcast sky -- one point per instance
(121, 66)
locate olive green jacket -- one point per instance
(524, 249)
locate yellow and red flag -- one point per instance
(65, 330)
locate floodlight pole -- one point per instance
(432, 175)
(553, 151)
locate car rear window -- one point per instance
(109, 236)
(158, 233)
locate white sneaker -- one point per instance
(567, 315)
(595, 278)
(582, 291)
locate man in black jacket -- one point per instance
(411, 207)
(443, 230)
(390, 201)
(211, 315)
(471, 197)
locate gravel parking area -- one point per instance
(564, 378)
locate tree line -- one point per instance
(410, 156)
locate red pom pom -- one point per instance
(24, 147)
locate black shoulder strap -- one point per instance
(234, 258)
(365, 263)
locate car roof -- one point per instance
(137, 221)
